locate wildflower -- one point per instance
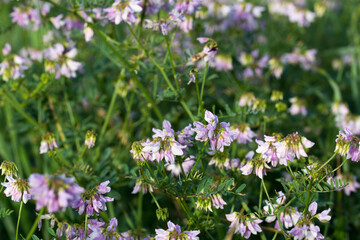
(12, 66)
(185, 136)
(175, 168)
(257, 163)
(93, 200)
(288, 217)
(18, 189)
(140, 184)
(297, 106)
(192, 75)
(244, 225)
(306, 59)
(209, 51)
(25, 16)
(347, 143)
(8, 169)
(305, 228)
(90, 138)
(48, 143)
(247, 99)
(276, 67)
(100, 230)
(218, 134)
(244, 134)
(53, 192)
(88, 32)
(214, 200)
(292, 146)
(174, 232)
(253, 64)
(222, 63)
(123, 11)
(59, 61)
(268, 150)
(137, 151)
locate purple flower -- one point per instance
(17, 189)
(174, 232)
(12, 66)
(90, 139)
(53, 192)
(93, 200)
(352, 184)
(258, 164)
(244, 134)
(244, 225)
(48, 143)
(175, 168)
(348, 144)
(123, 11)
(297, 107)
(25, 16)
(140, 185)
(59, 61)
(219, 135)
(247, 99)
(268, 150)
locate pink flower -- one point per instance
(17, 189)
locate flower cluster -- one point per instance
(122, 11)
(297, 106)
(218, 134)
(348, 144)
(12, 66)
(25, 16)
(93, 200)
(54, 192)
(48, 143)
(214, 200)
(253, 64)
(18, 189)
(244, 134)
(306, 59)
(174, 232)
(59, 61)
(163, 145)
(245, 225)
(301, 16)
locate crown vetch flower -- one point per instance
(59, 60)
(93, 200)
(90, 139)
(175, 168)
(17, 189)
(218, 134)
(140, 185)
(244, 225)
(268, 150)
(122, 11)
(8, 169)
(292, 146)
(54, 192)
(244, 134)
(258, 164)
(174, 232)
(48, 142)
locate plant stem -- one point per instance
(326, 162)
(86, 223)
(18, 221)
(201, 105)
(172, 62)
(33, 228)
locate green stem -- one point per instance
(81, 156)
(18, 221)
(322, 166)
(109, 112)
(198, 159)
(172, 62)
(33, 228)
(86, 223)
(156, 202)
(201, 105)
(141, 46)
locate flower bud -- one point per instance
(90, 139)
(8, 169)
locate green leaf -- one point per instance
(52, 232)
(239, 189)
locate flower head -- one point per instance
(90, 139)
(122, 11)
(18, 189)
(245, 225)
(8, 169)
(174, 232)
(54, 192)
(48, 143)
